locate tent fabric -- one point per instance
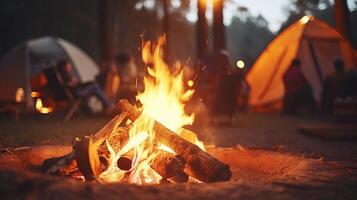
(28, 58)
(86, 67)
(315, 43)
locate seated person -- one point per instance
(128, 76)
(351, 89)
(82, 89)
(335, 86)
(298, 93)
(109, 80)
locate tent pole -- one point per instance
(316, 62)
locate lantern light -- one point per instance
(240, 64)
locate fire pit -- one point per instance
(118, 158)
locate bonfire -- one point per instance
(146, 144)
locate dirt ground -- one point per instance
(269, 159)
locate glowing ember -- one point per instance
(190, 83)
(40, 108)
(163, 100)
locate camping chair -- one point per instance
(61, 92)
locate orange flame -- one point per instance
(163, 100)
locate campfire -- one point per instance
(145, 144)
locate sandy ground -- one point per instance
(269, 159)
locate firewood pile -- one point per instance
(91, 154)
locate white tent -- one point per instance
(26, 60)
(315, 43)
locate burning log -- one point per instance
(170, 166)
(108, 129)
(87, 158)
(199, 164)
(97, 140)
(124, 163)
(117, 140)
(86, 148)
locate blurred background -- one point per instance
(81, 22)
(98, 43)
(263, 71)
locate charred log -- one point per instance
(70, 167)
(199, 164)
(170, 166)
(124, 163)
(62, 163)
(87, 158)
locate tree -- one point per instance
(108, 30)
(75, 21)
(242, 44)
(201, 29)
(323, 10)
(342, 18)
(219, 35)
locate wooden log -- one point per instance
(199, 164)
(109, 129)
(117, 140)
(170, 166)
(61, 163)
(98, 139)
(48, 163)
(124, 163)
(87, 158)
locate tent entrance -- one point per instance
(326, 51)
(317, 57)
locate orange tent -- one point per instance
(311, 40)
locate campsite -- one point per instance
(178, 99)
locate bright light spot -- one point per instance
(35, 94)
(190, 83)
(20, 95)
(240, 64)
(40, 108)
(305, 19)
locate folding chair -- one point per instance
(61, 92)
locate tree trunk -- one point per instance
(219, 35)
(201, 32)
(108, 30)
(342, 18)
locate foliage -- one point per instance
(247, 37)
(136, 19)
(75, 21)
(321, 9)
